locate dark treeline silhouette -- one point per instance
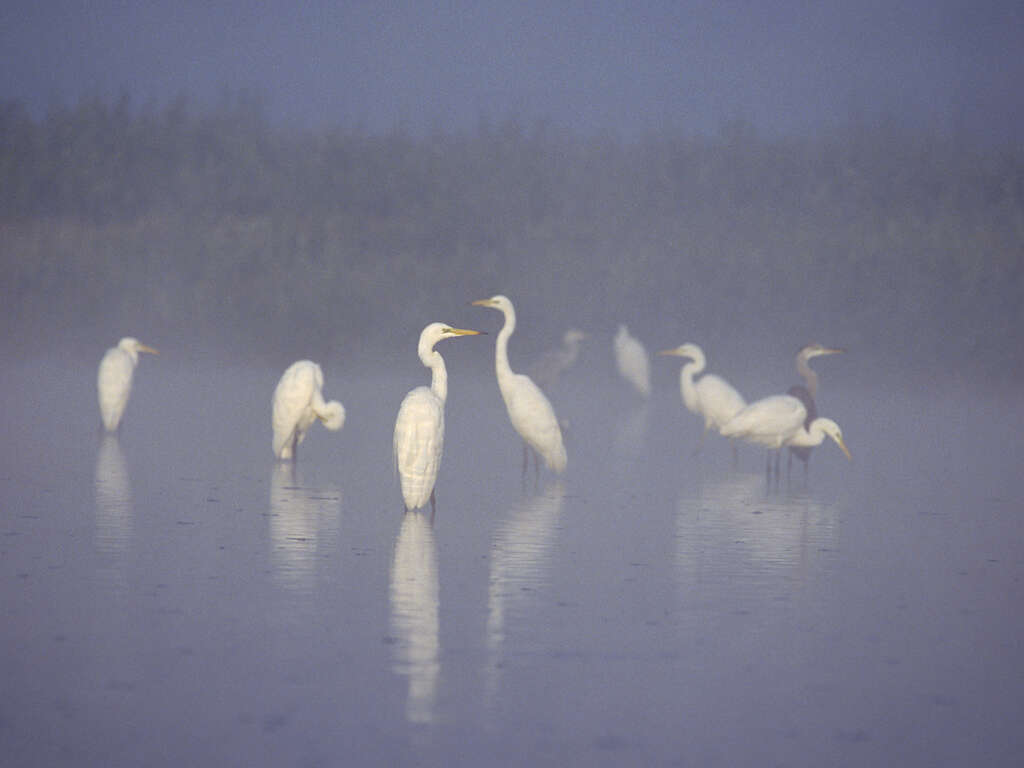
(116, 216)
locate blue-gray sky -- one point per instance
(589, 67)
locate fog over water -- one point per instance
(175, 595)
(242, 188)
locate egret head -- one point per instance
(574, 336)
(133, 345)
(333, 415)
(816, 350)
(832, 429)
(435, 332)
(499, 302)
(689, 350)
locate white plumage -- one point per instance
(298, 402)
(778, 421)
(711, 396)
(419, 427)
(114, 379)
(631, 360)
(771, 421)
(529, 410)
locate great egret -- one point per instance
(114, 379)
(777, 421)
(814, 434)
(419, 428)
(553, 363)
(529, 410)
(710, 396)
(631, 360)
(806, 394)
(298, 402)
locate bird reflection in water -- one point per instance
(521, 556)
(415, 601)
(630, 434)
(301, 518)
(114, 514)
(731, 533)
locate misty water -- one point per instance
(173, 596)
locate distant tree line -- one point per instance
(231, 220)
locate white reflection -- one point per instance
(733, 530)
(415, 602)
(114, 512)
(303, 520)
(520, 560)
(630, 431)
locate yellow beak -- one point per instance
(842, 445)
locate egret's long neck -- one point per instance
(501, 366)
(808, 436)
(438, 373)
(686, 384)
(687, 388)
(809, 376)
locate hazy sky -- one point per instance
(587, 66)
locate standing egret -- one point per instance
(770, 422)
(710, 396)
(816, 432)
(631, 360)
(298, 402)
(553, 363)
(806, 394)
(114, 379)
(419, 428)
(529, 410)
(779, 420)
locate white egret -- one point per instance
(806, 394)
(814, 434)
(710, 396)
(298, 402)
(553, 363)
(770, 422)
(114, 379)
(529, 410)
(631, 360)
(419, 428)
(777, 421)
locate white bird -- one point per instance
(419, 428)
(806, 394)
(114, 379)
(529, 410)
(631, 360)
(777, 421)
(711, 396)
(298, 402)
(819, 429)
(553, 363)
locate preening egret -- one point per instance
(298, 402)
(710, 396)
(114, 379)
(419, 428)
(553, 363)
(631, 360)
(777, 421)
(806, 394)
(529, 410)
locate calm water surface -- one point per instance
(172, 596)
